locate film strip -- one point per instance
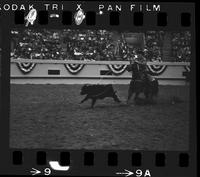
(54, 53)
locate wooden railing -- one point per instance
(88, 62)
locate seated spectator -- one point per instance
(95, 45)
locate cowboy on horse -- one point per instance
(141, 80)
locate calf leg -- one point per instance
(93, 102)
(86, 98)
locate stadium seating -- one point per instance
(97, 45)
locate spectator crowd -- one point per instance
(94, 45)
(181, 46)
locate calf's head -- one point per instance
(84, 90)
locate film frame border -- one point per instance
(101, 156)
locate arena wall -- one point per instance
(91, 73)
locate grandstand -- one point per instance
(100, 45)
(89, 55)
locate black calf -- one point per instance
(95, 92)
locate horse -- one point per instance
(142, 82)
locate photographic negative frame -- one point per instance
(119, 18)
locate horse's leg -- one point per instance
(129, 96)
(150, 93)
(93, 102)
(146, 95)
(147, 90)
(116, 99)
(153, 92)
(130, 92)
(136, 95)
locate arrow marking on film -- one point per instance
(126, 173)
(35, 171)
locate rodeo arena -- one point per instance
(99, 89)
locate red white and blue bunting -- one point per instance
(74, 68)
(156, 70)
(26, 67)
(117, 69)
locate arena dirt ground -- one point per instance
(50, 116)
